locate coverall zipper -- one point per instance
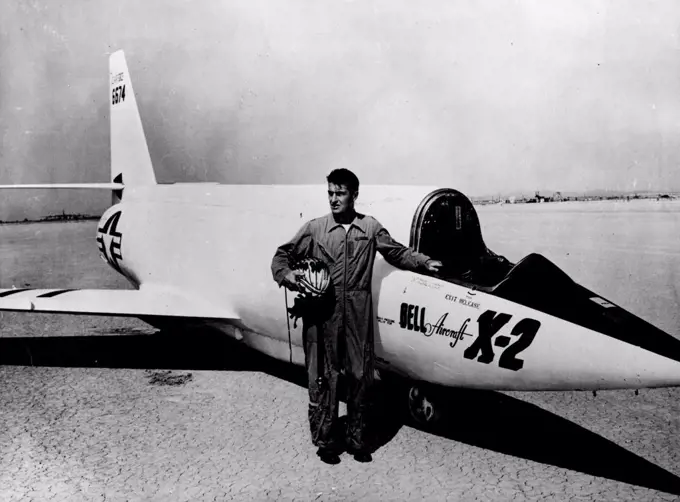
(344, 289)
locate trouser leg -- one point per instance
(359, 373)
(323, 398)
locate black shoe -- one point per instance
(363, 457)
(328, 456)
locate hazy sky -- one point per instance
(483, 96)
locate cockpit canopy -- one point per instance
(446, 228)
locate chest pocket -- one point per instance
(358, 245)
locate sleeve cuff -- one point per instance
(281, 276)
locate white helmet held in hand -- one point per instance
(316, 278)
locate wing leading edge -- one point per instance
(103, 186)
(111, 302)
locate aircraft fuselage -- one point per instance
(216, 242)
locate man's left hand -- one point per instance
(433, 265)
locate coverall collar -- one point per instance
(358, 222)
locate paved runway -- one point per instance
(90, 413)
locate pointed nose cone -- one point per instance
(624, 365)
(569, 356)
(587, 341)
(638, 352)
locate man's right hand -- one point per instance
(290, 280)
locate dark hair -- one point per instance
(344, 177)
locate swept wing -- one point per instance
(147, 301)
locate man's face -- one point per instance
(340, 198)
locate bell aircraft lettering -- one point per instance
(459, 334)
(109, 241)
(412, 318)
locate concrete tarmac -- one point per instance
(102, 409)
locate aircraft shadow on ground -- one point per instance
(485, 419)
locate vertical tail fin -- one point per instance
(130, 159)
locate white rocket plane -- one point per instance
(201, 253)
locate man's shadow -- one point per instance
(485, 419)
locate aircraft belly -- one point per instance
(446, 334)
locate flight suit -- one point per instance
(345, 325)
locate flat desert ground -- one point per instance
(107, 409)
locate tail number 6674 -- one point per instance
(118, 94)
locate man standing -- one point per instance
(347, 242)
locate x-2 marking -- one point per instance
(489, 325)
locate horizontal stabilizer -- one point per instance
(105, 186)
(111, 302)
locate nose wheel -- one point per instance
(421, 407)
